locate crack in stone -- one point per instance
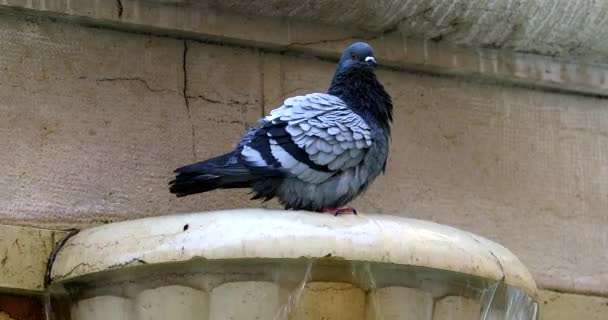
(90, 268)
(51, 261)
(5, 259)
(138, 79)
(214, 101)
(186, 97)
(69, 273)
(120, 8)
(12, 85)
(202, 97)
(134, 261)
(16, 244)
(502, 270)
(228, 121)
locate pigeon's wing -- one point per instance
(311, 137)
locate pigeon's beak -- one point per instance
(371, 61)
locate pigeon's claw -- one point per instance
(339, 211)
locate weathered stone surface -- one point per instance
(565, 306)
(230, 235)
(171, 302)
(24, 253)
(103, 308)
(224, 100)
(247, 300)
(537, 26)
(97, 126)
(224, 95)
(99, 9)
(400, 303)
(330, 300)
(456, 308)
(565, 28)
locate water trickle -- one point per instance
(284, 289)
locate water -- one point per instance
(286, 289)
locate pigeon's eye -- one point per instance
(353, 56)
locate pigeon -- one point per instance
(316, 152)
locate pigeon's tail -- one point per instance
(223, 172)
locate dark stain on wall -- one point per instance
(22, 307)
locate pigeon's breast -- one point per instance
(341, 188)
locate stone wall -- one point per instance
(94, 120)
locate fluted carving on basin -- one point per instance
(246, 300)
(243, 265)
(103, 308)
(397, 303)
(171, 302)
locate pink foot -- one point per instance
(338, 211)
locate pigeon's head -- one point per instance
(357, 54)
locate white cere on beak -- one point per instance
(368, 59)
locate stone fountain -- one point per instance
(261, 264)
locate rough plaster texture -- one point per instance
(397, 303)
(91, 130)
(102, 308)
(456, 308)
(24, 254)
(87, 117)
(330, 300)
(247, 300)
(171, 302)
(564, 306)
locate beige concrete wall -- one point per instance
(24, 255)
(565, 306)
(93, 121)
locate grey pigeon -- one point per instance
(316, 152)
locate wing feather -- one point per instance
(311, 137)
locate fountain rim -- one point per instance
(278, 234)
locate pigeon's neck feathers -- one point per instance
(359, 88)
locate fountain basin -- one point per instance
(264, 264)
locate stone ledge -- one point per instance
(273, 234)
(510, 61)
(564, 28)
